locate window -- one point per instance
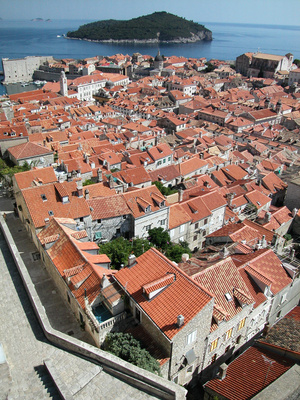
(196, 225)
(278, 315)
(181, 229)
(214, 344)
(195, 238)
(228, 297)
(190, 369)
(242, 323)
(229, 334)
(98, 221)
(191, 337)
(98, 235)
(227, 349)
(148, 227)
(213, 358)
(205, 221)
(162, 222)
(238, 339)
(283, 298)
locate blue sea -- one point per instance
(19, 39)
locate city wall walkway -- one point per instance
(45, 352)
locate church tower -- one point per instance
(158, 61)
(63, 84)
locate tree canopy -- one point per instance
(164, 25)
(118, 250)
(125, 346)
(166, 191)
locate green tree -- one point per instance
(159, 238)
(117, 250)
(139, 246)
(166, 191)
(175, 250)
(209, 67)
(125, 346)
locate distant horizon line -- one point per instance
(36, 19)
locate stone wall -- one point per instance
(21, 70)
(133, 375)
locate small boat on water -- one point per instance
(24, 84)
(58, 36)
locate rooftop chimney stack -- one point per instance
(222, 371)
(180, 320)
(131, 260)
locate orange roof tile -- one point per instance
(250, 373)
(182, 296)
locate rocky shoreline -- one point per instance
(201, 36)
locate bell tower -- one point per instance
(63, 84)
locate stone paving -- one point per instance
(24, 375)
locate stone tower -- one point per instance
(158, 61)
(63, 84)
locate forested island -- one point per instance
(157, 27)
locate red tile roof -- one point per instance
(41, 200)
(73, 263)
(108, 207)
(250, 373)
(181, 297)
(222, 278)
(27, 150)
(35, 177)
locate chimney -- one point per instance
(99, 175)
(180, 320)
(180, 193)
(268, 217)
(230, 197)
(79, 188)
(292, 254)
(185, 257)
(222, 371)
(131, 260)
(104, 282)
(267, 103)
(87, 194)
(224, 253)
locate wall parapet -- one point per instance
(135, 376)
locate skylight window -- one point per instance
(43, 196)
(228, 297)
(51, 213)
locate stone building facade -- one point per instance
(21, 70)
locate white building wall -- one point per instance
(157, 219)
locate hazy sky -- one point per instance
(274, 12)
